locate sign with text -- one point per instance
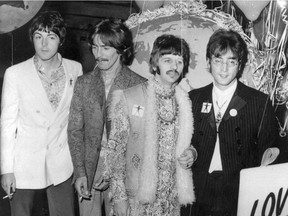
(263, 191)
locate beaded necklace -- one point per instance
(167, 107)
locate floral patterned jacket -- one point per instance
(130, 150)
(88, 115)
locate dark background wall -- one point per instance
(80, 16)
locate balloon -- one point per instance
(282, 3)
(251, 9)
(149, 4)
(260, 29)
(13, 15)
(276, 23)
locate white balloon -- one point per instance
(12, 17)
(251, 9)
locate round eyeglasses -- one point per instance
(220, 62)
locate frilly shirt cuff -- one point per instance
(194, 152)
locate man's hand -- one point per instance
(187, 158)
(81, 187)
(8, 183)
(101, 184)
(121, 208)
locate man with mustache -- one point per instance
(35, 102)
(112, 46)
(149, 154)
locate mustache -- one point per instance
(101, 59)
(173, 71)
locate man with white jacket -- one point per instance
(34, 116)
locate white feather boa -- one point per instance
(149, 176)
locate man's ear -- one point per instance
(208, 64)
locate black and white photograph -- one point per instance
(144, 108)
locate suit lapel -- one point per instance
(97, 87)
(211, 119)
(121, 81)
(237, 103)
(68, 90)
(207, 98)
(97, 93)
(33, 84)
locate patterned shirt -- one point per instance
(166, 202)
(54, 84)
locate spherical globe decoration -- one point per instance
(191, 21)
(14, 14)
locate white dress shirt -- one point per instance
(221, 100)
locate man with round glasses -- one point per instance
(234, 125)
(232, 62)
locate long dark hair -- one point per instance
(113, 32)
(169, 44)
(222, 40)
(49, 21)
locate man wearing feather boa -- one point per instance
(149, 155)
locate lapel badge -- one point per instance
(233, 112)
(137, 110)
(206, 107)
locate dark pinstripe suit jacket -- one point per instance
(243, 138)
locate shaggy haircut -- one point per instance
(113, 32)
(223, 40)
(49, 21)
(169, 44)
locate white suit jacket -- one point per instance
(34, 137)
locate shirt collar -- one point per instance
(39, 67)
(225, 93)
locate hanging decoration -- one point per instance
(149, 4)
(274, 22)
(251, 9)
(271, 75)
(167, 2)
(15, 14)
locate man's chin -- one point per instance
(174, 77)
(103, 68)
